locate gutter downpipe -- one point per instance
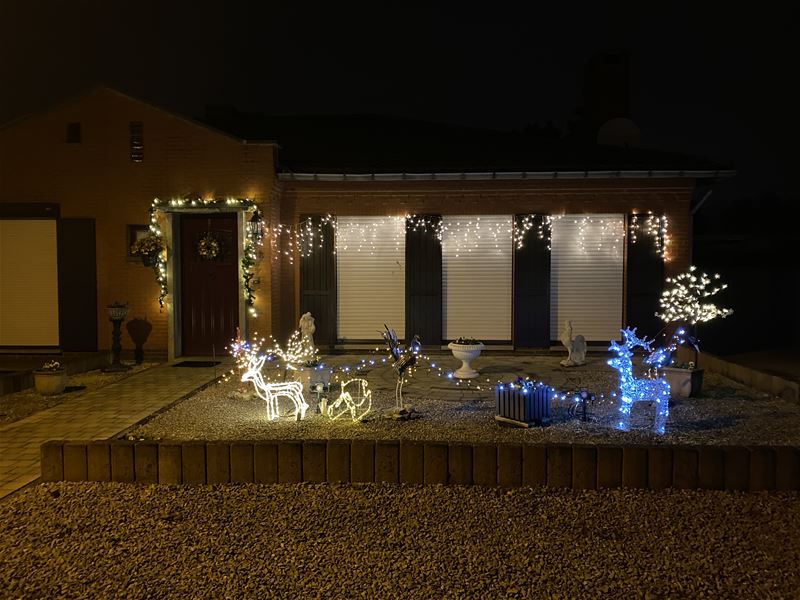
(691, 223)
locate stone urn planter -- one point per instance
(466, 353)
(50, 382)
(683, 382)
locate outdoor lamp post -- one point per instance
(116, 314)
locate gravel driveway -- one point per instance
(380, 541)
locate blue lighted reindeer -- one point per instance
(638, 390)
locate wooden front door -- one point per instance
(209, 284)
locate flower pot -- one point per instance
(149, 260)
(466, 353)
(50, 383)
(523, 406)
(683, 382)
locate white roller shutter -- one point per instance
(477, 277)
(28, 283)
(370, 269)
(586, 274)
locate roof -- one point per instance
(102, 88)
(373, 144)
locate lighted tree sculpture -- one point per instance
(685, 300)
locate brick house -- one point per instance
(508, 236)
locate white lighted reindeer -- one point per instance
(270, 392)
(638, 390)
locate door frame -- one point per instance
(173, 301)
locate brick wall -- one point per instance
(739, 468)
(670, 196)
(97, 179)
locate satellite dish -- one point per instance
(619, 131)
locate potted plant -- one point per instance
(685, 300)
(50, 379)
(466, 350)
(148, 248)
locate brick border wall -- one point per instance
(391, 461)
(772, 384)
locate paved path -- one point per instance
(96, 415)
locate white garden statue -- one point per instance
(307, 329)
(576, 347)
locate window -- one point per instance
(371, 277)
(28, 282)
(73, 133)
(137, 141)
(477, 272)
(586, 275)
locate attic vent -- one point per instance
(137, 141)
(73, 133)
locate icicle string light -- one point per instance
(652, 226)
(463, 236)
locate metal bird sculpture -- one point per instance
(404, 359)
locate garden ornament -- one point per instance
(638, 390)
(576, 347)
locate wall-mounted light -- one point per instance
(255, 226)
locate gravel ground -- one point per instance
(79, 540)
(726, 413)
(24, 403)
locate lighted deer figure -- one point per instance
(638, 390)
(270, 392)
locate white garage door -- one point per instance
(586, 273)
(370, 268)
(28, 283)
(477, 277)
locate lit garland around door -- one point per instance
(209, 247)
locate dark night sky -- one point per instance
(716, 83)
